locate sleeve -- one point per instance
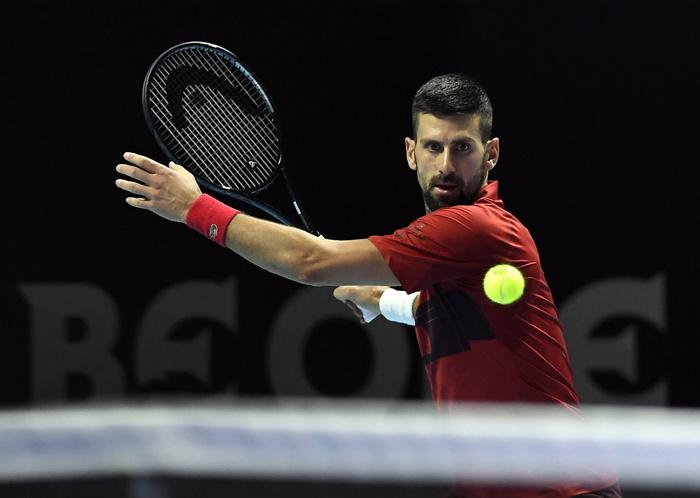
(447, 244)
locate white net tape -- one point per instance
(354, 441)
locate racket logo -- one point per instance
(184, 78)
(213, 231)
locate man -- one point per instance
(472, 348)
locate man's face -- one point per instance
(451, 161)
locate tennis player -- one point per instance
(473, 349)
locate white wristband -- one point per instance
(397, 306)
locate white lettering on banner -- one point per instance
(158, 354)
(57, 357)
(54, 356)
(290, 332)
(591, 306)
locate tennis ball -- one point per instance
(504, 284)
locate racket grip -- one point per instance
(211, 218)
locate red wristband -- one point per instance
(210, 217)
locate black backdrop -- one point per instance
(594, 104)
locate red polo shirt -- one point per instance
(474, 349)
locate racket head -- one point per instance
(208, 112)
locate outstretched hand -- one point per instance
(363, 300)
(167, 191)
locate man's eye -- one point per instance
(465, 147)
(434, 147)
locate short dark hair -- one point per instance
(454, 94)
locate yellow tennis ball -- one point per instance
(504, 284)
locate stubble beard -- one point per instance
(468, 192)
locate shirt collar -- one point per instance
(490, 191)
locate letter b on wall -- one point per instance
(91, 315)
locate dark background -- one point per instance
(594, 104)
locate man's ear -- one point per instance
(493, 150)
(411, 153)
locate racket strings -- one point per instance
(227, 143)
(233, 149)
(212, 123)
(226, 148)
(248, 127)
(197, 152)
(245, 85)
(170, 133)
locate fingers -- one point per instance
(138, 202)
(134, 172)
(133, 187)
(345, 292)
(143, 162)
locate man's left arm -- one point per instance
(305, 258)
(289, 252)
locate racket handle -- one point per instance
(307, 225)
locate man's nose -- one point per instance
(447, 165)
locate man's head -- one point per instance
(451, 150)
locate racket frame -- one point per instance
(242, 195)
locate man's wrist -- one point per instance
(210, 217)
(397, 306)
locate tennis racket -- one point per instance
(208, 113)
